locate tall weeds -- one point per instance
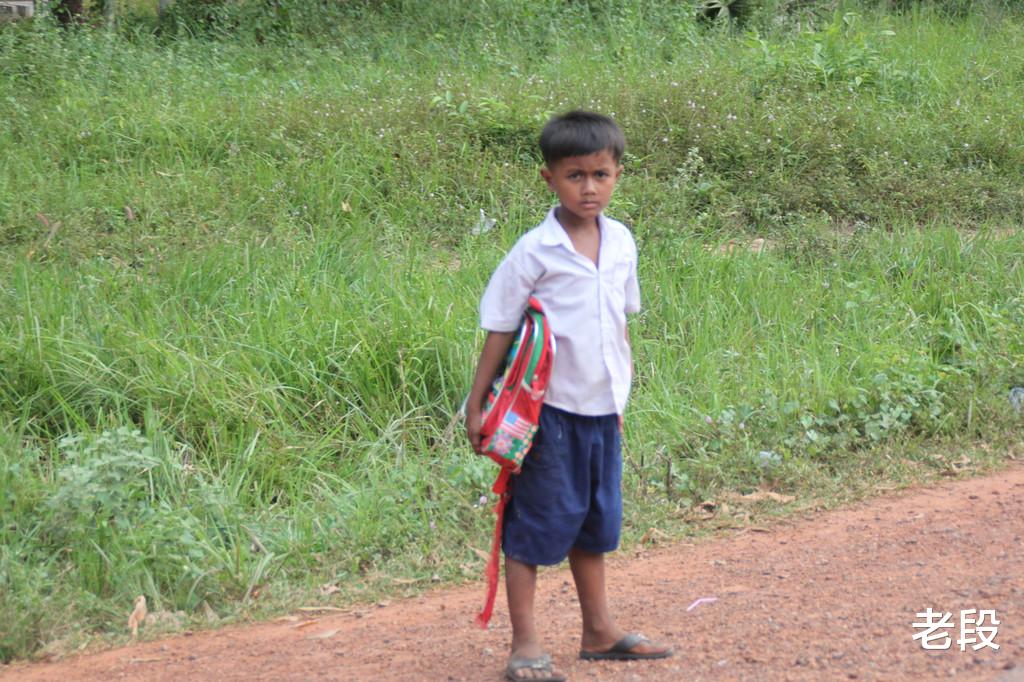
(239, 280)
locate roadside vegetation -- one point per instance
(241, 252)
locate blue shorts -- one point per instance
(569, 492)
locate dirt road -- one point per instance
(832, 595)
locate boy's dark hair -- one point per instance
(579, 133)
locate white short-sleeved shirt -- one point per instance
(586, 306)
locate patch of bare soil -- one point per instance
(832, 595)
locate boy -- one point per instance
(567, 501)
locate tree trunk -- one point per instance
(162, 6)
(68, 12)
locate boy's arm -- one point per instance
(495, 348)
(632, 367)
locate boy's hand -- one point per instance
(474, 419)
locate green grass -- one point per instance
(243, 386)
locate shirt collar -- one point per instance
(553, 234)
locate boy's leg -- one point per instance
(600, 447)
(600, 632)
(521, 586)
(540, 525)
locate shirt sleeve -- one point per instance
(506, 296)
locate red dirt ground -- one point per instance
(831, 595)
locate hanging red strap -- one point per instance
(500, 488)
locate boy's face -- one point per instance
(584, 185)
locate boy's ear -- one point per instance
(545, 173)
(618, 172)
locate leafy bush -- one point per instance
(106, 480)
(953, 8)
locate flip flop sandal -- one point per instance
(538, 664)
(622, 650)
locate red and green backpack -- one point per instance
(510, 418)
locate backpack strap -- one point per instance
(500, 488)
